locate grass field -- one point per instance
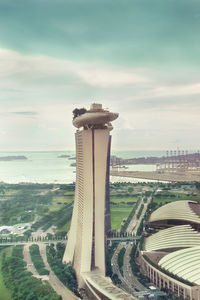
(69, 194)
(66, 227)
(8, 192)
(58, 201)
(121, 199)
(4, 292)
(165, 200)
(118, 213)
(165, 197)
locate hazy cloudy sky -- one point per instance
(140, 58)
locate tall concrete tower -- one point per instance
(86, 241)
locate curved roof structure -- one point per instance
(182, 236)
(95, 116)
(179, 210)
(184, 264)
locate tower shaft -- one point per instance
(86, 241)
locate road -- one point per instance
(135, 223)
(126, 285)
(134, 232)
(121, 239)
(127, 271)
(32, 242)
(124, 238)
(129, 281)
(134, 220)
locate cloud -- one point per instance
(41, 77)
(106, 77)
(41, 91)
(169, 91)
(25, 113)
(42, 70)
(124, 54)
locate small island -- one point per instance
(72, 158)
(9, 158)
(73, 165)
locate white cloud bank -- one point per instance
(30, 69)
(47, 89)
(21, 68)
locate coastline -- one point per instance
(170, 177)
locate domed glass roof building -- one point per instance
(171, 256)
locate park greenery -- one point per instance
(37, 260)
(140, 228)
(120, 259)
(57, 218)
(21, 283)
(136, 268)
(109, 272)
(140, 211)
(64, 272)
(5, 294)
(116, 279)
(44, 205)
(40, 206)
(109, 254)
(123, 202)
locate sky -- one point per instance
(139, 58)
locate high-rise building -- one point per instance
(91, 219)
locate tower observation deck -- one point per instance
(95, 117)
(91, 217)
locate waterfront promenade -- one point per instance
(181, 176)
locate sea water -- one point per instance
(48, 167)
